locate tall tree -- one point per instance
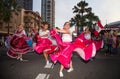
(6, 8)
(83, 16)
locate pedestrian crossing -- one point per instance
(44, 75)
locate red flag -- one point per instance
(98, 28)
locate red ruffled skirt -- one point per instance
(18, 45)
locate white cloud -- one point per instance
(112, 10)
(106, 10)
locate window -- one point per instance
(48, 1)
(48, 6)
(1, 24)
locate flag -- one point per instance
(98, 28)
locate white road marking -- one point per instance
(48, 75)
(50, 65)
(43, 76)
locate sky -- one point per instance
(107, 10)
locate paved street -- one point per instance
(102, 67)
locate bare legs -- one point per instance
(19, 57)
(46, 57)
(62, 67)
(71, 67)
(61, 71)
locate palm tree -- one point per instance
(83, 16)
(7, 6)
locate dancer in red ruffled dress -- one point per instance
(44, 44)
(88, 44)
(18, 44)
(66, 42)
(84, 47)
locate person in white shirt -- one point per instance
(43, 33)
(67, 38)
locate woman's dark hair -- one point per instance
(45, 23)
(20, 25)
(65, 23)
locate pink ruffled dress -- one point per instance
(85, 48)
(44, 43)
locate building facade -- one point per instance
(26, 4)
(48, 11)
(28, 18)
